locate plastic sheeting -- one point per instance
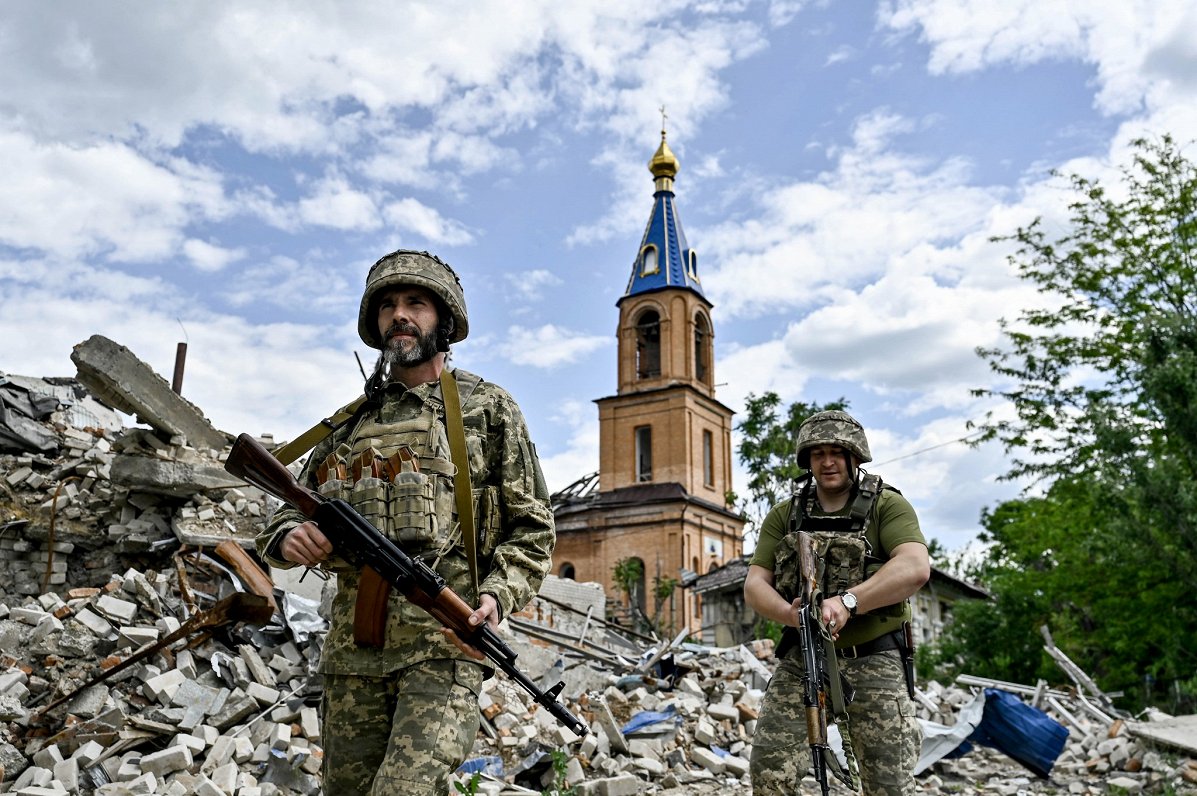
(1002, 721)
(20, 412)
(647, 721)
(1026, 734)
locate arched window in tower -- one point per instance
(648, 345)
(567, 570)
(648, 261)
(702, 348)
(692, 266)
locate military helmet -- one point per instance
(408, 267)
(832, 427)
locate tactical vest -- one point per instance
(399, 475)
(844, 557)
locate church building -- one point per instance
(665, 453)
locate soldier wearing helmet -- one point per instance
(872, 558)
(400, 699)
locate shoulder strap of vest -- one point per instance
(463, 492)
(798, 501)
(867, 490)
(314, 435)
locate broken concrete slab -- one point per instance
(117, 377)
(170, 478)
(1179, 732)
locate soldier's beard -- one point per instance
(406, 353)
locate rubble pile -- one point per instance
(226, 712)
(691, 732)
(186, 673)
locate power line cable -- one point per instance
(965, 438)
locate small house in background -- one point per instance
(727, 620)
(933, 604)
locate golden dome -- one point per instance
(664, 162)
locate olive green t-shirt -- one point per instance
(892, 522)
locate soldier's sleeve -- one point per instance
(897, 521)
(285, 518)
(524, 555)
(773, 528)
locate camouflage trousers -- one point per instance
(881, 737)
(400, 734)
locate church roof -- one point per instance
(665, 259)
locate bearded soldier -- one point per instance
(440, 461)
(873, 557)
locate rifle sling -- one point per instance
(312, 437)
(462, 488)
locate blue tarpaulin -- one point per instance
(648, 718)
(1025, 733)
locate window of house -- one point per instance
(644, 453)
(708, 459)
(567, 571)
(648, 345)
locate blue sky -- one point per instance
(224, 173)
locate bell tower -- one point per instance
(664, 439)
(664, 424)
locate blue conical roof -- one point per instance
(664, 259)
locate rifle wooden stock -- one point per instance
(355, 539)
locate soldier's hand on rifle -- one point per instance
(488, 613)
(305, 544)
(835, 615)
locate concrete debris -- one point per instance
(110, 544)
(117, 377)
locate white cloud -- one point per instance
(1132, 44)
(304, 289)
(104, 198)
(245, 376)
(580, 455)
(411, 215)
(210, 257)
(811, 241)
(548, 346)
(530, 285)
(335, 203)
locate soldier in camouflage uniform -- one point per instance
(401, 710)
(873, 557)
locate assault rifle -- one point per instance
(820, 675)
(358, 541)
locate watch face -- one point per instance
(849, 600)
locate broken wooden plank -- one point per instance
(1077, 674)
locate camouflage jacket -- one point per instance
(511, 508)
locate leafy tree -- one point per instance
(1120, 284)
(628, 575)
(767, 448)
(1102, 381)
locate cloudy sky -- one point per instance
(223, 173)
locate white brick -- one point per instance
(265, 695)
(88, 753)
(700, 755)
(163, 687)
(172, 758)
(119, 610)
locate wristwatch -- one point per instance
(849, 600)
